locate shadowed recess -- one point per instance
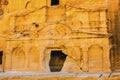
(54, 2)
(1, 54)
(57, 61)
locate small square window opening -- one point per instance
(54, 2)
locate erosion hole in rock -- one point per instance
(54, 2)
(36, 25)
(1, 55)
(57, 59)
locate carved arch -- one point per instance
(18, 59)
(95, 58)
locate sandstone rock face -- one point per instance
(31, 29)
(114, 29)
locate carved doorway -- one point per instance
(57, 59)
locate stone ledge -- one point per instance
(58, 76)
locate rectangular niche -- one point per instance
(54, 2)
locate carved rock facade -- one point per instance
(32, 30)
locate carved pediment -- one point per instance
(55, 30)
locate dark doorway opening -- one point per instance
(54, 2)
(1, 55)
(57, 61)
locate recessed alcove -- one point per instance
(1, 55)
(57, 59)
(54, 2)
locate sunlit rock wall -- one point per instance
(31, 29)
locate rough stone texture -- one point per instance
(114, 29)
(59, 76)
(32, 29)
(54, 76)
